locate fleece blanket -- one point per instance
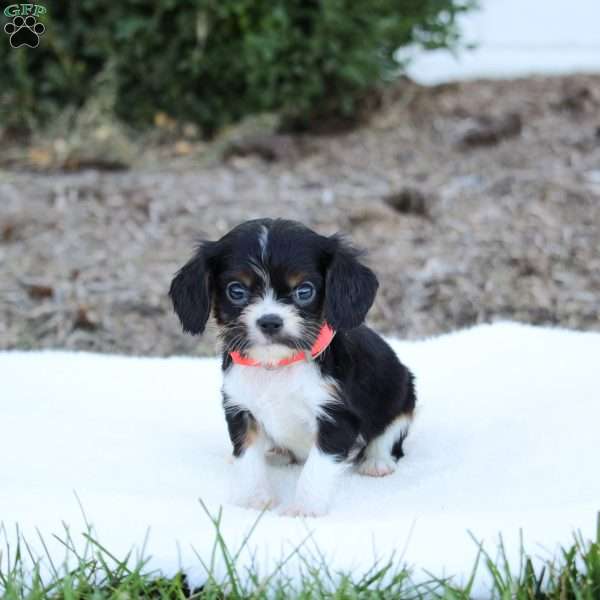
(505, 443)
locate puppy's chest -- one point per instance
(285, 401)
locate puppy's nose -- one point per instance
(270, 324)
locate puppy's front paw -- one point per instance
(377, 467)
(306, 505)
(259, 499)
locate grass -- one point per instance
(94, 572)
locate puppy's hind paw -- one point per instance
(377, 467)
(260, 500)
(296, 510)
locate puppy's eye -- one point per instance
(304, 293)
(237, 293)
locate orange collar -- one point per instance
(321, 343)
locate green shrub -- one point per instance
(214, 61)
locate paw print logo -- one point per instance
(25, 31)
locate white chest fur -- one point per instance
(286, 401)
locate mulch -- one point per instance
(475, 201)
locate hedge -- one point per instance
(212, 62)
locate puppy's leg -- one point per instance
(380, 455)
(250, 486)
(327, 460)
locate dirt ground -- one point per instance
(476, 202)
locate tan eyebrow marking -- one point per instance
(263, 240)
(246, 277)
(295, 279)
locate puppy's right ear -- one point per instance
(192, 290)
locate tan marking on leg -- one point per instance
(251, 434)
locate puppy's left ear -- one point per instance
(192, 290)
(350, 287)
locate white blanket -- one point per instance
(506, 437)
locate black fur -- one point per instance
(192, 289)
(375, 387)
(350, 288)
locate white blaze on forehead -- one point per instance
(258, 266)
(261, 271)
(263, 240)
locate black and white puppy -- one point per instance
(303, 377)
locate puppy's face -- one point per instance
(272, 284)
(269, 290)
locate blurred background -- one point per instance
(457, 141)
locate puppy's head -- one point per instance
(271, 284)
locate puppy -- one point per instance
(304, 380)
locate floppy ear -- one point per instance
(192, 289)
(350, 288)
